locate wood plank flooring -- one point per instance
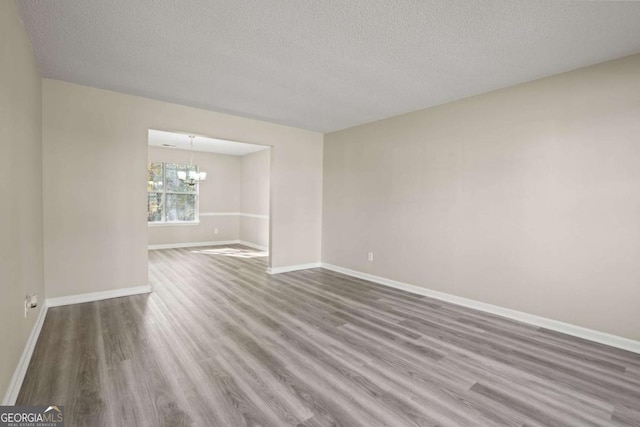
(222, 343)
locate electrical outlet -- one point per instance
(215, 231)
(30, 301)
(370, 256)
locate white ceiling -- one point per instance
(181, 141)
(322, 65)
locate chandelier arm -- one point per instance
(191, 178)
(191, 159)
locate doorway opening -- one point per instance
(208, 194)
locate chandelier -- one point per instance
(193, 176)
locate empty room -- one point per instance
(320, 213)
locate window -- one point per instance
(169, 199)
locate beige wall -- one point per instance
(21, 267)
(254, 198)
(527, 198)
(220, 193)
(96, 227)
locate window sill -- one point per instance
(172, 224)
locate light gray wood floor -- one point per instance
(222, 343)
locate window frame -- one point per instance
(164, 193)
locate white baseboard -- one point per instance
(288, 268)
(253, 245)
(21, 369)
(193, 244)
(97, 296)
(212, 243)
(555, 325)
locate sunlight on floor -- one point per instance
(237, 253)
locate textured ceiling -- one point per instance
(182, 141)
(322, 65)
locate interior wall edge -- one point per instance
(193, 244)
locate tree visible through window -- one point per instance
(169, 199)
